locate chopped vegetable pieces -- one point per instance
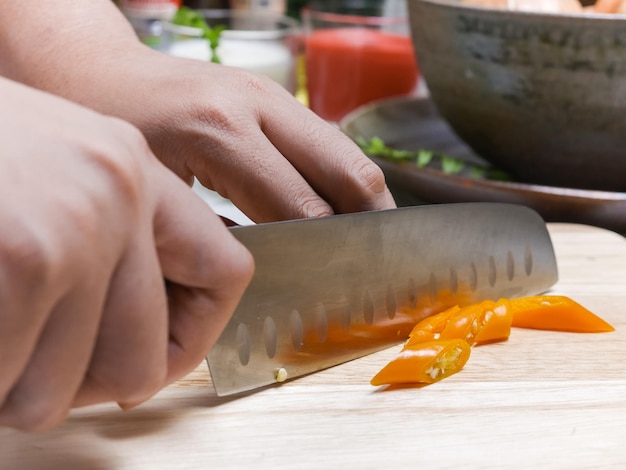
(466, 323)
(439, 345)
(426, 363)
(556, 313)
(495, 324)
(430, 328)
(482, 322)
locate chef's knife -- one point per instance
(331, 289)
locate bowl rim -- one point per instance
(525, 187)
(584, 17)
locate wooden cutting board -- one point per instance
(540, 400)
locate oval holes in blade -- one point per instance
(473, 278)
(454, 281)
(295, 330)
(528, 261)
(510, 266)
(368, 309)
(493, 272)
(269, 336)
(433, 289)
(243, 344)
(412, 293)
(391, 302)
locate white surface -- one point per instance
(220, 205)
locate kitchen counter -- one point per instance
(540, 400)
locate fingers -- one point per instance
(129, 363)
(268, 187)
(24, 305)
(253, 142)
(288, 163)
(147, 340)
(43, 395)
(207, 271)
(330, 161)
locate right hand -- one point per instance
(115, 279)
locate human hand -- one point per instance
(246, 137)
(238, 133)
(94, 229)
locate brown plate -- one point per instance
(413, 124)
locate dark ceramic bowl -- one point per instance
(540, 95)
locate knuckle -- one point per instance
(123, 160)
(224, 116)
(30, 260)
(256, 83)
(214, 116)
(315, 207)
(370, 176)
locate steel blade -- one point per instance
(332, 289)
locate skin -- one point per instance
(239, 133)
(94, 226)
(85, 314)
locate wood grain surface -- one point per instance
(540, 400)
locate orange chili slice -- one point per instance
(425, 363)
(466, 323)
(557, 313)
(495, 324)
(482, 322)
(430, 328)
(439, 345)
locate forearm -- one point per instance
(64, 46)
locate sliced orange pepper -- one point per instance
(495, 323)
(557, 313)
(426, 363)
(430, 328)
(439, 346)
(466, 323)
(482, 322)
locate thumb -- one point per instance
(206, 270)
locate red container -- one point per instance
(352, 60)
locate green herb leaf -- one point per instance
(376, 147)
(477, 172)
(498, 175)
(424, 157)
(451, 166)
(186, 16)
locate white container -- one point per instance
(262, 43)
(260, 6)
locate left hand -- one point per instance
(239, 133)
(246, 137)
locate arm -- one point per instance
(92, 225)
(238, 133)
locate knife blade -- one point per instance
(332, 289)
